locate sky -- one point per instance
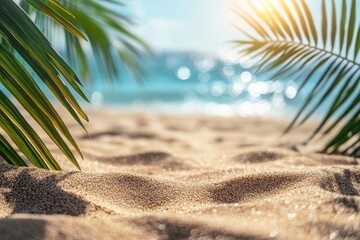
(189, 25)
(186, 25)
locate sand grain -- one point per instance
(148, 176)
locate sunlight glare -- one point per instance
(183, 73)
(261, 5)
(246, 77)
(97, 99)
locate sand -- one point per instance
(153, 176)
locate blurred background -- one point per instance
(194, 67)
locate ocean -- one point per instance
(187, 82)
(200, 83)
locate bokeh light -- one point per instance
(183, 73)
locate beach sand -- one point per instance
(153, 176)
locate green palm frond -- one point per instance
(323, 49)
(27, 58)
(105, 23)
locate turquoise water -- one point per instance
(185, 82)
(200, 83)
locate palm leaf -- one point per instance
(27, 58)
(20, 32)
(105, 23)
(325, 55)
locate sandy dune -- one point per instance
(148, 176)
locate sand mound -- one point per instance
(25, 226)
(131, 135)
(158, 159)
(346, 182)
(253, 187)
(258, 156)
(34, 191)
(139, 186)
